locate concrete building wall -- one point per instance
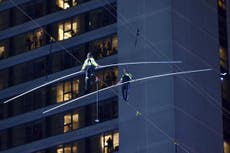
(154, 97)
(183, 108)
(198, 115)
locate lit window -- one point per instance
(116, 140)
(74, 148)
(67, 90)
(114, 43)
(76, 86)
(2, 51)
(75, 121)
(67, 149)
(59, 93)
(67, 29)
(71, 122)
(110, 142)
(35, 39)
(67, 123)
(221, 4)
(226, 147)
(60, 149)
(65, 4)
(223, 57)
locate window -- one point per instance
(67, 90)
(35, 39)
(104, 47)
(226, 147)
(68, 148)
(221, 4)
(65, 4)
(110, 142)
(4, 79)
(2, 51)
(114, 43)
(71, 122)
(68, 29)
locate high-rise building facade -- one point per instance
(43, 40)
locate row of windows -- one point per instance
(56, 62)
(34, 9)
(59, 31)
(58, 93)
(58, 124)
(105, 143)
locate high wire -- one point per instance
(81, 72)
(132, 81)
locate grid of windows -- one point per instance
(61, 123)
(56, 62)
(58, 93)
(61, 30)
(63, 91)
(35, 9)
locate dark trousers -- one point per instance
(125, 91)
(89, 74)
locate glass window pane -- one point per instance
(60, 150)
(75, 121)
(60, 32)
(2, 51)
(74, 148)
(116, 139)
(59, 93)
(67, 149)
(67, 26)
(67, 87)
(76, 86)
(67, 96)
(67, 119)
